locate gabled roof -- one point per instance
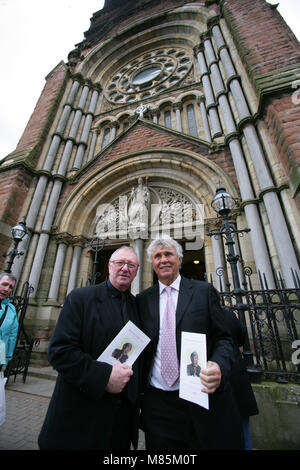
(145, 134)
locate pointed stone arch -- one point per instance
(188, 171)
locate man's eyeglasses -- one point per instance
(120, 264)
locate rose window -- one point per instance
(149, 75)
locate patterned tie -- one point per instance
(169, 361)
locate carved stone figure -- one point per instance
(139, 202)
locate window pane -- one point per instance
(192, 120)
(105, 137)
(167, 119)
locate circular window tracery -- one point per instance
(153, 72)
(146, 75)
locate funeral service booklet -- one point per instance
(192, 360)
(126, 346)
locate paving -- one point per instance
(26, 406)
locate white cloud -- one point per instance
(35, 35)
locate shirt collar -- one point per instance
(5, 301)
(115, 292)
(175, 284)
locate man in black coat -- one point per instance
(240, 382)
(94, 404)
(171, 423)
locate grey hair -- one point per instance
(125, 247)
(11, 276)
(165, 241)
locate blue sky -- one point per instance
(35, 35)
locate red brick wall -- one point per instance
(41, 114)
(142, 10)
(147, 10)
(283, 121)
(261, 35)
(152, 10)
(267, 44)
(14, 185)
(141, 137)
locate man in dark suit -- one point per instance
(169, 422)
(193, 368)
(94, 402)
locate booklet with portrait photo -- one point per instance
(192, 360)
(126, 346)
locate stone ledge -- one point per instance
(276, 427)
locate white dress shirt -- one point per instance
(156, 379)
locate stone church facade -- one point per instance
(159, 104)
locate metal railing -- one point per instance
(271, 318)
(24, 345)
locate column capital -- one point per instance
(67, 239)
(198, 48)
(201, 99)
(113, 125)
(205, 36)
(177, 105)
(155, 112)
(213, 21)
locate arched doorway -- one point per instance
(103, 205)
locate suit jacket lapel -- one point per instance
(111, 326)
(184, 297)
(132, 309)
(153, 300)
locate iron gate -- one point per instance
(24, 345)
(271, 318)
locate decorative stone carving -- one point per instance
(139, 204)
(135, 213)
(142, 109)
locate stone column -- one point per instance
(42, 183)
(280, 232)
(54, 197)
(85, 132)
(38, 261)
(74, 268)
(92, 145)
(177, 107)
(205, 120)
(137, 285)
(57, 272)
(155, 114)
(260, 250)
(113, 131)
(216, 129)
(37, 265)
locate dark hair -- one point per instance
(125, 345)
(194, 354)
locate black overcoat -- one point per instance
(240, 382)
(198, 311)
(81, 412)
